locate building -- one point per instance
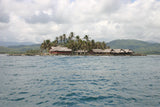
(128, 51)
(60, 50)
(112, 51)
(81, 52)
(118, 51)
(101, 51)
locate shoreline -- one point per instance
(136, 54)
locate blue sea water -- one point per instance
(75, 81)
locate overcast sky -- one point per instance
(106, 20)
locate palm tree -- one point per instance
(48, 45)
(86, 37)
(57, 40)
(61, 39)
(64, 38)
(103, 45)
(42, 47)
(71, 35)
(77, 38)
(93, 43)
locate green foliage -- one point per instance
(18, 49)
(32, 52)
(136, 45)
(73, 42)
(5, 49)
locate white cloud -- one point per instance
(36, 20)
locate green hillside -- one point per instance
(5, 49)
(136, 45)
(23, 48)
(19, 49)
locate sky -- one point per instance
(102, 20)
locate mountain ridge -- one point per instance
(138, 46)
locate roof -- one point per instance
(102, 51)
(59, 48)
(98, 50)
(118, 51)
(108, 50)
(128, 50)
(80, 51)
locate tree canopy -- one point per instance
(73, 42)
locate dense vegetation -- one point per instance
(73, 42)
(136, 45)
(21, 49)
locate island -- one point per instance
(74, 45)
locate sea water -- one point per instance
(75, 81)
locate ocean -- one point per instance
(79, 81)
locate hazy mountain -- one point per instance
(19, 48)
(136, 45)
(2, 43)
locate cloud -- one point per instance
(36, 20)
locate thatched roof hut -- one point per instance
(108, 50)
(101, 51)
(118, 51)
(128, 51)
(80, 52)
(98, 51)
(60, 50)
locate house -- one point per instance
(98, 51)
(118, 51)
(60, 50)
(108, 51)
(128, 51)
(81, 52)
(101, 51)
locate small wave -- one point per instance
(42, 102)
(12, 93)
(22, 92)
(72, 94)
(85, 98)
(93, 83)
(64, 103)
(17, 99)
(15, 74)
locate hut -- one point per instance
(108, 51)
(60, 50)
(128, 51)
(118, 51)
(101, 51)
(81, 52)
(98, 51)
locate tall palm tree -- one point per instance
(57, 39)
(48, 45)
(71, 35)
(64, 38)
(77, 38)
(93, 43)
(86, 37)
(61, 39)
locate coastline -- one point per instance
(48, 54)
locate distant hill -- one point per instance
(5, 44)
(136, 45)
(5, 49)
(19, 48)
